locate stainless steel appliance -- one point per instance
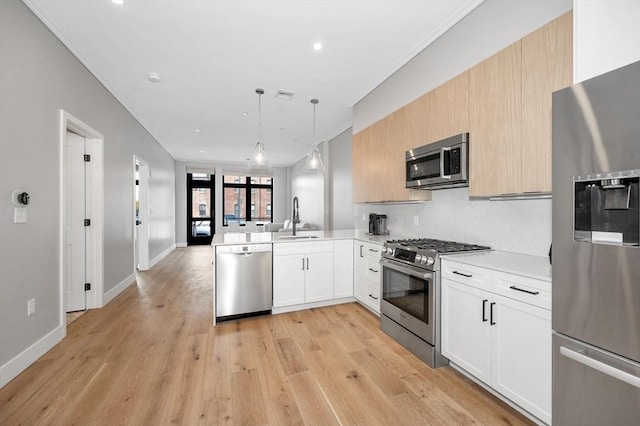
(378, 224)
(243, 280)
(596, 258)
(439, 165)
(410, 306)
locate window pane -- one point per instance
(200, 202)
(262, 201)
(235, 205)
(263, 180)
(200, 176)
(201, 228)
(235, 179)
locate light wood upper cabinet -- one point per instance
(447, 110)
(495, 124)
(379, 162)
(510, 110)
(504, 103)
(547, 64)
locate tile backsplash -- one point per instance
(520, 226)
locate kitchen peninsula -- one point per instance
(311, 269)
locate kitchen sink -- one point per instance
(297, 237)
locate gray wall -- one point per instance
(279, 203)
(518, 226)
(39, 76)
(340, 182)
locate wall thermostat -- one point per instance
(20, 198)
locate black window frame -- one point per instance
(200, 184)
(248, 186)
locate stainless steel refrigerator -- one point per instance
(596, 258)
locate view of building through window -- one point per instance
(247, 198)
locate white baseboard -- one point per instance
(30, 355)
(161, 256)
(111, 294)
(181, 244)
(331, 302)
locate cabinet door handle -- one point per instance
(375, 251)
(361, 247)
(303, 263)
(491, 313)
(307, 263)
(373, 297)
(513, 287)
(484, 310)
(464, 275)
(373, 270)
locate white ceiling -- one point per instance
(211, 56)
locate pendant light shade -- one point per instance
(314, 157)
(258, 158)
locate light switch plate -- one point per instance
(20, 215)
(416, 220)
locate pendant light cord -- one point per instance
(314, 102)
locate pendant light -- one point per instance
(314, 157)
(258, 159)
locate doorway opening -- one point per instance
(81, 217)
(200, 210)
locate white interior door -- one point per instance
(75, 230)
(142, 230)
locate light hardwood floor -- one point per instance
(152, 357)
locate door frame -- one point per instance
(143, 188)
(95, 203)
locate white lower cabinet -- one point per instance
(302, 273)
(502, 341)
(367, 274)
(342, 268)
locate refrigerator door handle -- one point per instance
(601, 366)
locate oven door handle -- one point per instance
(414, 272)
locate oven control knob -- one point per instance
(385, 250)
(430, 260)
(419, 258)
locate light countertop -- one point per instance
(277, 237)
(535, 267)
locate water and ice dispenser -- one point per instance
(606, 208)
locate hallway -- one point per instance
(152, 357)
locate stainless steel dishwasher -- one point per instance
(243, 280)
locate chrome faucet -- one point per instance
(296, 214)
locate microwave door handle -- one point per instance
(442, 152)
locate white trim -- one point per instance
(95, 178)
(162, 255)
(30, 355)
(122, 285)
(300, 307)
(181, 245)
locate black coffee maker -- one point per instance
(378, 224)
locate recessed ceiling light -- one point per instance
(118, 2)
(202, 150)
(154, 77)
(317, 46)
(245, 113)
(197, 130)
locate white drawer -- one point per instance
(372, 297)
(372, 251)
(524, 289)
(372, 271)
(466, 274)
(283, 248)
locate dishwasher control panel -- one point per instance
(243, 248)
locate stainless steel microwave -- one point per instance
(439, 165)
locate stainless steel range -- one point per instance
(410, 306)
